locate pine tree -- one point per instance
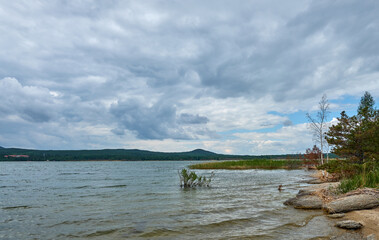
(357, 137)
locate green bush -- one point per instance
(341, 169)
(189, 179)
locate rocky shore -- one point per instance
(356, 211)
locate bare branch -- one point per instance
(318, 125)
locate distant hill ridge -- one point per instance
(104, 154)
(8, 154)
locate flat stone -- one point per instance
(336, 215)
(305, 202)
(349, 224)
(351, 203)
(313, 181)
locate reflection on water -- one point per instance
(143, 200)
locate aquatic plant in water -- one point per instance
(189, 179)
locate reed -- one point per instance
(250, 164)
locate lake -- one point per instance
(143, 200)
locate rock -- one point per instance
(351, 203)
(349, 224)
(304, 192)
(336, 215)
(325, 186)
(313, 181)
(371, 237)
(348, 236)
(305, 202)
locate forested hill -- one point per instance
(17, 154)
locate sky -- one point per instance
(233, 77)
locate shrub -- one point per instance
(189, 179)
(311, 157)
(340, 169)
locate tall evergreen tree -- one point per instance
(357, 137)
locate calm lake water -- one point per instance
(143, 200)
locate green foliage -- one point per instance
(353, 175)
(189, 179)
(341, 168)
(357, 137)
(250, 164)
(368, 179)
(366, 106)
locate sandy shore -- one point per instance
(369, 217)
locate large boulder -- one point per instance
(351, 203)
(305, 202)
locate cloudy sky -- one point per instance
(226, 76)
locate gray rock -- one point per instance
(313, 181)
(305, 202)
(348, 236)
(351, 203)
(371, 237)
(304, 192)
(336, 215)
(349, 224)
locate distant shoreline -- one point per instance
(105, 160)
(18, 154)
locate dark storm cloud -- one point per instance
(187, 118)
(158, 121)
(82, 61)
(30, 103)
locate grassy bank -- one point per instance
(369, 179)
(249, 164)
(353, 175)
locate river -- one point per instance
(143, 200)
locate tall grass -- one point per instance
(249, 164)
(366, 179)
(353, 175)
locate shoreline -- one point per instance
(319, 195)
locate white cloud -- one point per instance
(244, 66)
(288, 139)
